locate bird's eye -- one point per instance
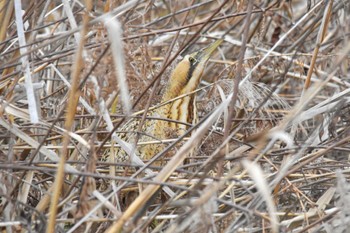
(191, 60)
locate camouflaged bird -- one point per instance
(184, 79)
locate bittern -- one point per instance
(184, 79)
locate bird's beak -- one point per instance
(204, 54)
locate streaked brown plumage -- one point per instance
(184, 80)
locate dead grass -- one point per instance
(270, 157)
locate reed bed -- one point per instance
(270, 152)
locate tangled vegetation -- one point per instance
(269, 152)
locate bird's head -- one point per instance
(187, 74)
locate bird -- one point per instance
(177, 114)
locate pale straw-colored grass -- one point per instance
(270, 157)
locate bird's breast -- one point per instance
(182, 110)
